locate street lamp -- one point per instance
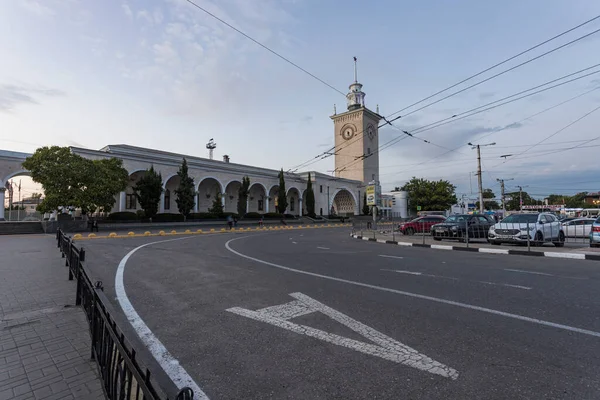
(478, 147)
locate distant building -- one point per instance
(395, 204)
(593, 199)
(28, 204)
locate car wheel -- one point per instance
(561, 240)
(538, 240)
(409, 231)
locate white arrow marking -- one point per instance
(384, 347)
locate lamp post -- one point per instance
(479, 180)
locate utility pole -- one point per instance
(503, 195)
(479, 179)
(520, 198)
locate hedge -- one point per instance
(203, 215)
(123, 216)
(167, 217)
(252, 215)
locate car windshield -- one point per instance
(456, 218)
(520, 218)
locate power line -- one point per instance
(499, 64)
(470, 113)
(266, 47)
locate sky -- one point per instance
(163, 74)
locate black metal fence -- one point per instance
(122, 375)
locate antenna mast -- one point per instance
(211, 145)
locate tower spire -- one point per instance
(355, 71)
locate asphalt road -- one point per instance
(363, 320)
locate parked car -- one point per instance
(421, 224)
(455, 227)
(578, 227)
(536, 228)
(595, 234)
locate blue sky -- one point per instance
(162, 74)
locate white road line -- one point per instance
(527, 272)
(418, 296)
(403, 272)
(384, 347)
(505, 284)
(294, 243)
(323, 248)
(169, 364)
(386, 256)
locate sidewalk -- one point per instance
(44, 338)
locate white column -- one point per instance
(223, 199)
(195, 202)
(300, 206)
(247, 205)
(267, 201)
(161, 204)
(2, 190)
(122, 201)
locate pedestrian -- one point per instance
(261, 221)
(235, 221)
(229, 221)
(94, 225)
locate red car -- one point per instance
(421, 224)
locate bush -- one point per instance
(289, 216)
(203, 215)
(228, 214)
(272, 215)
(167, 217)
(123, 216)
(252, 215)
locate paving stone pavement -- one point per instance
(44, 337)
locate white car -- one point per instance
(535, 228)
(578, 227)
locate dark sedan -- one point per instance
(455, 227)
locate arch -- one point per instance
(293, 188)
(16, 173)
(230, 182)
(257, 197)
(210, 177)
(165, 181)
(231, 195)
(346, 203)
(258, 183)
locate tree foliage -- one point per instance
(365, 208)
(217, 205)
(71, 181)
(310, 198)
(489, 204)
(282, 202)
(243, 196)
(514, 205)
(185, 191)
(148, 191)
(430, 195)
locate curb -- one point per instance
(552, 254)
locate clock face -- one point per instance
(348, 132)
(371, 131)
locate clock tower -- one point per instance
(356, 138)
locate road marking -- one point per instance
(416, 295)
(527, 272)
(384, 347)
(386, 256)
(294, 242)
(169, 364)
(323, 248)
(505, 284)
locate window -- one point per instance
(372, 177)
(260, 205)
(292, 204)
(320, 188)
(368, 150)
(321, 211)
(167, 199)
(483, 220)
(130, 201)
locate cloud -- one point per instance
(144, 14)
(37, 8)
(127, 10)
(12, 95)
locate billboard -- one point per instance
(370, 191)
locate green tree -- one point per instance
(310, 198)
(576, 201)
(243, 196)
(557, 199)
(217, 205)
(396, 189)
(365, 208)
(488, 203)
(282, 202)
(148, 190)
(430, 195)
(72, 181)
(514, 205)
(185, 190)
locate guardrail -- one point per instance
(121, 374)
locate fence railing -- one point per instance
(475, 230)
(121, 374)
